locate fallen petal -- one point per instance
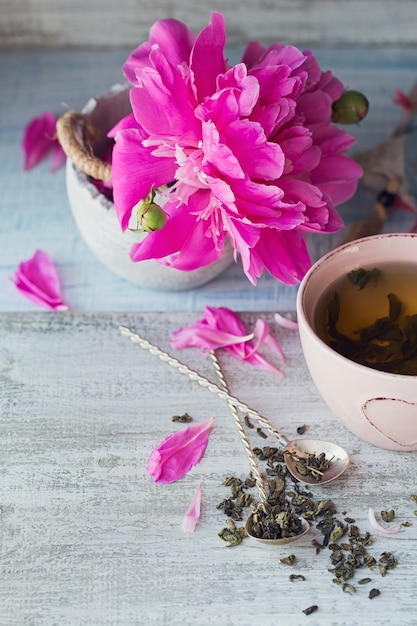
(377, 526)
(179, 452)
(38, 280)
(192, 516)
(222, 328)
(39, 138)
(285, 322)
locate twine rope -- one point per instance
(245, 441)
(76, 133)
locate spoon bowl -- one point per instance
(304, 528)
(300, 448)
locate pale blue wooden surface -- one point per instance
(34, 211)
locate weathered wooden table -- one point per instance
(88, 538)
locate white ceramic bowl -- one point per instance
(379, 407)
(96, 219)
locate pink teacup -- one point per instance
(379, 407)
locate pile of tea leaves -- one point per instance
(389, 344)
(349, 549)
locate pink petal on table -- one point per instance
(37, 279)
(222, 328)
(192, 515)
(261, 332)
(179, 452)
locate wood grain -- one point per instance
(127, 23)
(86, 536)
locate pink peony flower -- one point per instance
(222, 328)
(249, 153)
(38, 280)
(39, 139)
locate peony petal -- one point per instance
(179, 452)
(192, 515)
(207, 57)
(37, 279)
(174, 39)
(262, 329)
(129, 185)
(202, 336)
(162, 103)
(39, 138)
(285, 322)
(222, 328)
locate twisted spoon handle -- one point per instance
(241, 430)
(204, 382)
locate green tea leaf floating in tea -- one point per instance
(389, 342)
(362, 277)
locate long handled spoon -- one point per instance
(293, 450)
(303, 525)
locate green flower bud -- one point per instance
(150, 216)
(351, 108)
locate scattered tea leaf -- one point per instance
(348, 588)
(311, 609)
(185, 418)
(301, 429)
(232, 534)
(293, 577)
(248, 423)
(288, 560)
(373, 593)
(388, 516)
